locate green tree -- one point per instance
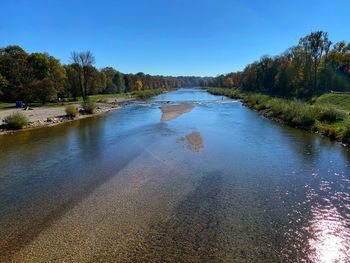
(43, 90)
(316, 44)
(119, 82)
(3, 84)
(39, 65)
(47, 70)
(109, 73)
(13, 67)
(72, 84)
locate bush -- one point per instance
(276, 108)
(346, 134)
(16, 121)
(89, 107)
(231, 93)
(103, 100)
(72, 111)
(330, 132)
(304, 118)
(145, 94)
(329, 114)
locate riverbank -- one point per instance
(50, 116)
(54, 113)
(325, 119)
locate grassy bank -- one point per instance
(340, 101)
(92, 98)
(326, 118)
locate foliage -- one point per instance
(89, 107)
(339, 101)
(138, 85)
(39, 77)
(346, 134)
(103, 100)
(16, 121)
(231, 93)
(325, 119)
(329, 114)
(43, 90)
(145, 94)
(3, 84)
(72, 111)
(312, 67)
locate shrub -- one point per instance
(332, 133)
(303, 117)
(89, 107)
(16, 121)
(103, 100)
(329, 131)
(329, 114)
(228, 92)
(72, 111)
(293, 112)
(346, 134)
(276, 108)
(256, 101)
(145, 94)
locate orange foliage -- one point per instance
(139, 85)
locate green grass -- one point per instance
(4, 105)
(340, 101)
(326, 116)
(144, 94)
(97, 97)
(92, 98)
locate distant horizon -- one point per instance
(200, 38)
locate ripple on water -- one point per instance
(320, 230)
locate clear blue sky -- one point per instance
(170, 37)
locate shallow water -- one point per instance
(218, 183)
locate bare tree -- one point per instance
(84, 62)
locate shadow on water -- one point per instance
(191, 233)
(44, 194)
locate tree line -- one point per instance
(312, 67)
(41, 77)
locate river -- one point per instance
(215, 182)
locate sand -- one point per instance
(171, 112)
(194, 141)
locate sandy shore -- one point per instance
(194, 141)
(171, 112)
(49, 116)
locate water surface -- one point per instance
(217, 183)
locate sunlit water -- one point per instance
(217, 184)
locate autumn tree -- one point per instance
(316, 44)
(228, 82)
(48, 77)
(139, 85)
(43, 90)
